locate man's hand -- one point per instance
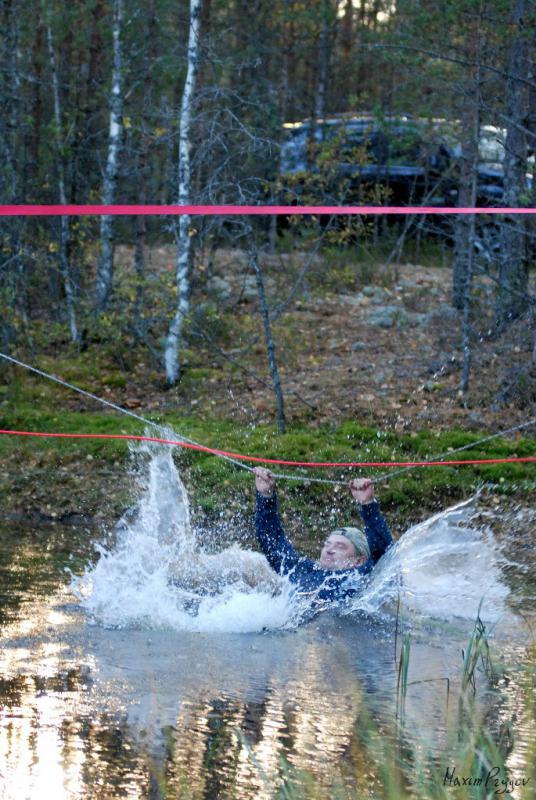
(264, 481)
(362, 490)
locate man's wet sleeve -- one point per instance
(376, 529)
(274, 544)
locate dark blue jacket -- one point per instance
(327, 584)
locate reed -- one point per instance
(477, 651)
(402, 678)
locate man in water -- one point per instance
(347, 555)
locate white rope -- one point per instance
(470, 446)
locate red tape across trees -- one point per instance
(232, 210)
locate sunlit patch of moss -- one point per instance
(115, 380)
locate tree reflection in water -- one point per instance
(94, 713)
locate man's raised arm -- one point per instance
(376, 529)
(281, 556)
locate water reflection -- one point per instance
(89, 713)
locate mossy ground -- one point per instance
(94, 477)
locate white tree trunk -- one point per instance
(174, 337)
(64, 221)
(103, 285)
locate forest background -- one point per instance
(300, 336)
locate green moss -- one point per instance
(115, 380)
(32, 404)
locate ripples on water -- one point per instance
(174, 666)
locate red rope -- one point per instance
(216, 452)
(231, 210)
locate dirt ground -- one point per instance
(390, 356)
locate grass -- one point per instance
(402, 679)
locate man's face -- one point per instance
(338, 552)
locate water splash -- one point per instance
(443, 568)
(158, 575)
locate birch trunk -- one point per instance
(103, 286)
(64, 221)
(174, 336)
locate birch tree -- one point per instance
(103, 286)
(184, 246)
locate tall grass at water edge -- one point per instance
(479, 747)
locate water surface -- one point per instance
(118, 683)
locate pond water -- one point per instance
(162, 670)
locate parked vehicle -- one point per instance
(356, 153)
(415, 161)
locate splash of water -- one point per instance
(445, 567)
(158, 575)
